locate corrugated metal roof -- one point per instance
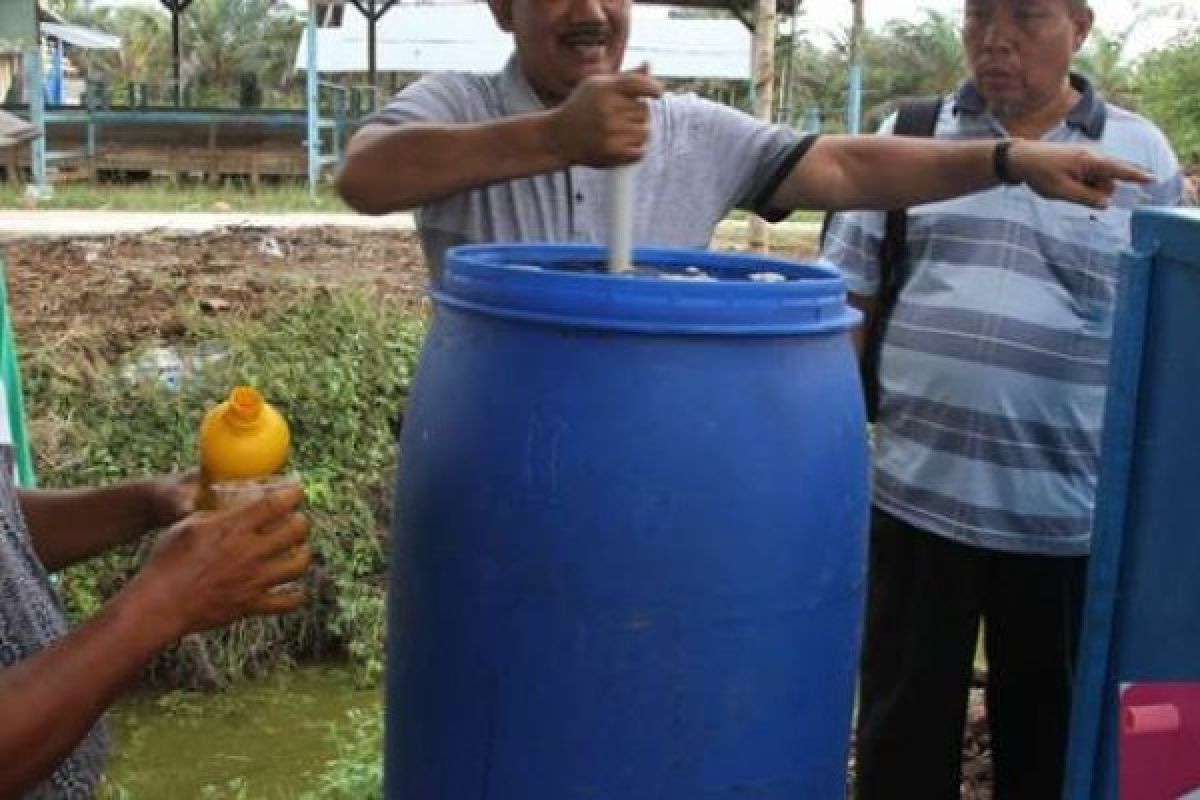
(435, 38)
(79, 36)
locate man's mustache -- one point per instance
(586, 31)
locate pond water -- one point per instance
(263, 739)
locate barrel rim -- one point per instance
(497, 280)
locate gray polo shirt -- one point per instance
(703, 160)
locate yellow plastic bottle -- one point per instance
(243, 438)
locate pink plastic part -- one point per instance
(1148, 720)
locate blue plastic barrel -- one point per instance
(629, 559)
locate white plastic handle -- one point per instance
(620, 223)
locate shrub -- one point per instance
(338, 366)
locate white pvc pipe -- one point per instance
(620, 223)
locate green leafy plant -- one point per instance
(338, 366)
(356, 773)
(1166, 81)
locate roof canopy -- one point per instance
(742, 9)
(465, 38)
(79, 36)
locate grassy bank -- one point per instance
(163, 196)
(337, 364)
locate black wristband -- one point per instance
(1000, 165)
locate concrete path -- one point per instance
(14, 224)
(17, 223)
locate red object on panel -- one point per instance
(1160, 741)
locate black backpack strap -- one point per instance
(915, 118)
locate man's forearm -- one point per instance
(393, 168)
(51, 700)
(886, 172)
(67, 526)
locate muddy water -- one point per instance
(265, 739)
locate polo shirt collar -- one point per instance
(1088, 116)
(519, 97)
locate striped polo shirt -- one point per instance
(995, 360)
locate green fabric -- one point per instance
(10, 371)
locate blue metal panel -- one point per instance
(854, 109)
(312, 101)
(57, 93)
(1142, 618)
(37, 111)
(150, 116)
(812, 120)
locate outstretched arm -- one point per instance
(887, 172)
(397, 167)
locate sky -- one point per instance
(821, 17)
(1159, 25)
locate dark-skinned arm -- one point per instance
(209, 570)
(68, 526)
(50, 701)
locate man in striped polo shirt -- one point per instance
(992, 384)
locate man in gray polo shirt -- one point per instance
(992, 379)
(520, 156)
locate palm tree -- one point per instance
(144, 41)
(1166, 82)
(145, 45)
(80, 12)
(225, 40)
(819, 81)
(933, 48)
(913, 59)
(1103, 60)
(905, 60)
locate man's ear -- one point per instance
(502, 11)
(1082, 19)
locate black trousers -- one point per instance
(926, 596)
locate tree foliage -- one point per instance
(226, 40)
(1167, 82)
(221, 41)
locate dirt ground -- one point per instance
(113, 291)
(977, 751)
(131, 287)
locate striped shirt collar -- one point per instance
(1088, 116)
